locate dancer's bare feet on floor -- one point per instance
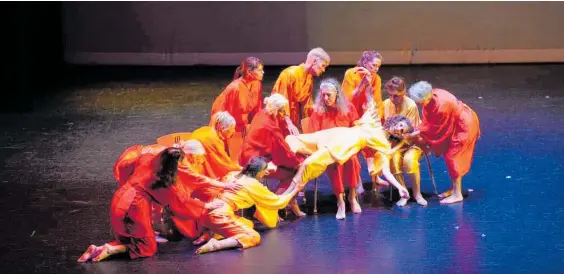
(445, 194)
(210, 246)
(420, 200)
(402, 202)
(355, 206)
(341, 210)
(296, 209)
(91, 251)
(453, 198)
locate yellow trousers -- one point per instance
(406, 160)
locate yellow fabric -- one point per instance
(266, 203)
(408, 109)
(338, 145)
(406, 160)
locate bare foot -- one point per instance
(420, 200)
(87, 254)
(454, 198)
(104, 253)
(355, 206)
(296, 209)
(340, 211)
(210, 246)
(402, 202)
(445, 194)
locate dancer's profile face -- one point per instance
(258, 73)
(228, 132)
(374, 65)
(399, 129)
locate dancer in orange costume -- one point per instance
(451, 129)
(295, 83)
(130, 210)
(266, 138)
(332, 109)
(238, 231)
(406, 159)
(362, 83)
(218, 164)
(242, 98)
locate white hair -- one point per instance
(420, 91)
(223, 120)
(275, 102)
(193, 147)
(319, 54)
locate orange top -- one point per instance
(352, 80)
(218, 163)
(241, 99)
(296, 85)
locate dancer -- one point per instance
(242, 98)
(217, 163)
(362, 83)
(332, 109)
(266, 138)
(451, 128)
(152, 181)
(408, 157)
(238, 231)
(339, 144)
(295, 83)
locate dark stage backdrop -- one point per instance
(223, 33)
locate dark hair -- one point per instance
(169, 167)
(249, 63)
(396, 83)
(255, 165)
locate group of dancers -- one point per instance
(199, 185)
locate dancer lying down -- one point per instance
(238, 231)
(339, 144)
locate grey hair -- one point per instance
(420, 91)
(193, 147)
(223, 120)
(319, 54)
(340, 101)
(275, 102)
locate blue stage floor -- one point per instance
(57, 180)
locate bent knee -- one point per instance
(411, 166)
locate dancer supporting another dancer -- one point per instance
(238, 231)
(408, 157)
(217, 163)
(266, 138)
(332, 109)
(130, 210)
(242, 98)
(339, 144)
(295, 83)
(451, 129)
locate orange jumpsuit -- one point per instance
(130, 210)
(241, 99)
(296, 85)
(451, 128)
(266, 138)
(218, 163)
(349, 171)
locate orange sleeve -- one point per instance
(125, 165)
(377, 95)
(283, 83)
(348, 84)
(184, 207)
(413, 116)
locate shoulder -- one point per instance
(409, 103)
